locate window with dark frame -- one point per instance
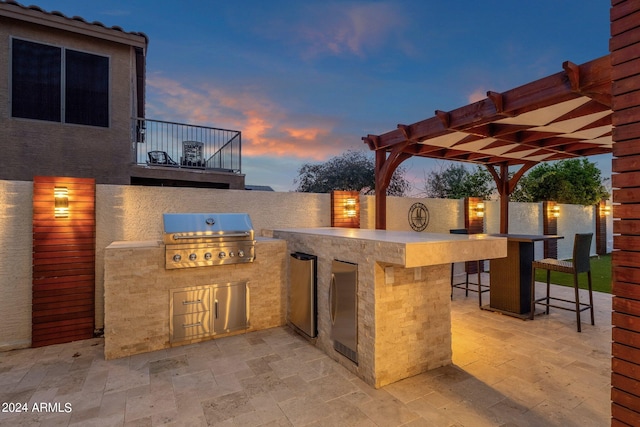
(36, 73)
(37, 84)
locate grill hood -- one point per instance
(202, 227)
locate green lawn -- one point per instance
(600, 275)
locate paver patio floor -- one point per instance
(505, 372)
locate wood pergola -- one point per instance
(562, 116)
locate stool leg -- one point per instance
(533, 293)
(548, 288)
(466, 285)
(479, 284)
(575, 286)
(593, 322)
(452, 281)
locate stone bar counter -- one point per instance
(403, 294)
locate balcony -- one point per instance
(176, 154)
(168, 144)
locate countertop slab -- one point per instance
(420, 249)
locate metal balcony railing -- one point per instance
(168, 144)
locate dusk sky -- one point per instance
(305, 80)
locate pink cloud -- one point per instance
(306, 134)
(477, 95)
(267, 129)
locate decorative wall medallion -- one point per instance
(418, 216)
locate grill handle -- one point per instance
(179, 236)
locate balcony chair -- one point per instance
(160, 158)
(481, 288)
(192, 154)
(580, 264)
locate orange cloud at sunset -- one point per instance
(267, 129)
(306, 134)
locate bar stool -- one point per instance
(580, 264)
(481, 288)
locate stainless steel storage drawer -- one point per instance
(191, 301)
(188, 326)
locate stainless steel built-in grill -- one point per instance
(206, 239)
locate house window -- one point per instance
(36, 76)
(57, 84)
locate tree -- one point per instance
(352, 170)
(574, 181)
(456, 182)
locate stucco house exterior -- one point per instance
(72, 103)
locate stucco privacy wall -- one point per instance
(444, 214)
(526, 218)
(135, 213)
(16, 215)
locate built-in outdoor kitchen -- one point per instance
(211, 277)
(208, 277)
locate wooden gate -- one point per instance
(63, 288)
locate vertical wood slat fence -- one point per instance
(63, 262)
(625, 60)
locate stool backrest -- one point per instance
(581, 252)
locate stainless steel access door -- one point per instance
(344, 308)
(302, 295)
(229, 308)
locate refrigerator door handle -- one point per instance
(333, 302)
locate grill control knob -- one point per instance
(177, 258)
(222, 255)
(232, 254)
(207, 256)
(241, 253)
(193, 257)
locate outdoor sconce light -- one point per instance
(554, 211)
(350, 208)
(606, 210)
(480, 210)
(61, 202)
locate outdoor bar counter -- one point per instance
(403, 320)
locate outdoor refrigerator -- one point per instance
(302, 296)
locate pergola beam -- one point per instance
(491, 132)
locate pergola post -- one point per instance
(505, 186)
(503, 190)
(385, 167)
(381, 191)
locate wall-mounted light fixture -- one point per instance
(350, 208)
(480, 210)
(61, 202)
(606, 210)
(555, 211)
(345, 209)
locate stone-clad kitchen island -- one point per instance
(403, 294)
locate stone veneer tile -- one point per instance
(137, 291)
(391, 344)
